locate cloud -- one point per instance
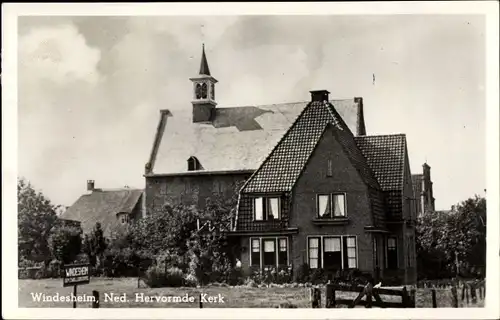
(58, 54)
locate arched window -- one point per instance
(193, 164)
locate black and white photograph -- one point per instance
(203, 156)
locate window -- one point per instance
(392, 253)
(255, 254)
(274, 252)
(124, 218)
(325, 208)
(283, 252)
(269, 256)
(193, 164)
(267, 208)
(314, 253)
(350, 260)
(329, 170)
(339, 205)
(333, 253)
(332, 256)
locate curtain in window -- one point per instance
(351, 252)
(339, 203)
(269, 253)
(314, 253)
(274, 208)
(283, 252)
(258, 209)
(255, 252)
(332, 254)
(332, 244)
(269, 246)
(324, 206)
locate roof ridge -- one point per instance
(281, 103)
(332, 109)
(276, 146)
(381, 135)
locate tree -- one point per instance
(65, 243)
(168, 229)
(94, 245)
(453, 242)
(36, 218)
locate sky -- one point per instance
(90, 88)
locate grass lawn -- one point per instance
(239, 297)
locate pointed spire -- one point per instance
(204, 70)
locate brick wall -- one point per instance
(313, 181)
(190, 189)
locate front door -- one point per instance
(332, 260)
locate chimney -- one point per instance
(319, 95)
(90, 185)
(360, 121)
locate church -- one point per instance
(313, 187)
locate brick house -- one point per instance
(315, 188)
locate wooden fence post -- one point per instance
(434, 301)
(473, 292)
(404, 297)
(466, 293)
(95, 303)
(413, 296)
(455, 297)
(369, 291)
(315, 297)
(330, 296)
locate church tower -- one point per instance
(203, 93)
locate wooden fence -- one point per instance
(372, 297)
(466, 292)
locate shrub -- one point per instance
(190, 280)
(156, 276)
(175, 277)
(250, 283)
(121, 262)
(54, 269)
(317, 276)
(302, 274)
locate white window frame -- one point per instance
(277, 248)
(331, 197)
(343, 194)
(266, 201)
(341, 247)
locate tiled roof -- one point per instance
(283, 166)
(102, 206)
(385, 155)
(239, 138)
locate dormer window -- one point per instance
(267, 208)
(193, 164)
(124, 218)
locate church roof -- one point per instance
(204, 70)
(238, 138)
(282, 168)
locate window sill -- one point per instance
(336, 221)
